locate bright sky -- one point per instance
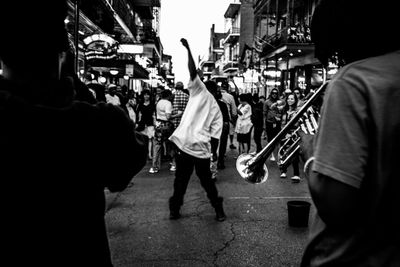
(190, 19)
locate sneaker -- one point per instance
(232, 146)
(173, 168)
(153, 170)
(174, 215)
(295, 179)
(220, 214)
(272, 158)
(283, 175)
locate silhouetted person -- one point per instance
(53, 172)
(352, 164)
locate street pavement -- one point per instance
(256, 232)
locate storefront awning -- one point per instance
(121, 64)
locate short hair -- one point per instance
(212, 86)
(256, 98)
(44, 29)
(166, 94)
(146, 92)
(342, 28)
(225, 85)
(179, 85)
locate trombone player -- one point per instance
(351, 163)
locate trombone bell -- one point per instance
(257, 175)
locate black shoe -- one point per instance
(220, 215)
(219, 210)
(232, 146)
(174, 215)
(220, 166)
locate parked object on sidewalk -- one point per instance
(298, 213)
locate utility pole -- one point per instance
(76, 36)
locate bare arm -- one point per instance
(191, 64)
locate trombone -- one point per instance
(252, 168)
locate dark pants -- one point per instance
(223, 141)
(271, 130)
(258, 130)
(295, 164)
(184, 168)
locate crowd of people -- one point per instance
(247, 119)
(54, 129)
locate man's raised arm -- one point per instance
(191, 64)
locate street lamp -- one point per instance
(113, 72)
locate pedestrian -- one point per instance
(178, 107)
(232, 108)
(300, 96)
(111, 95)
(243, 124)
(290, 109)
(163, 129)
(225, 129)
(218, 147)
(53, 170)
(272, 117)
(201, 121)
(146, 112)
(352, 164)
(257, 119)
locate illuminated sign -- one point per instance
(100, 46)
(130, 49)
(99, 38)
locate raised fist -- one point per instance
(185, 42)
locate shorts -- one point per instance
(148, 131)
(244, 138)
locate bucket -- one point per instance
(298, 213)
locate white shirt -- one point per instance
(163, 107)
(113, 100)
(201, 120)
(230, 102)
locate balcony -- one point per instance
(147, 35)
(231, 67)
(208, 67)
(293, 36)
(232, 36)
(232, 10)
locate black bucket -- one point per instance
(298, 213)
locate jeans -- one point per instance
(295, 164)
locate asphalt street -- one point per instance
(256, 232)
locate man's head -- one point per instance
(342, 28)
(44, 34)
(212, 87)
(255, 98)
(179, 86)
(112, 89)
(225, 86)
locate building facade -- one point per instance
(283, 41)
(117, 40)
